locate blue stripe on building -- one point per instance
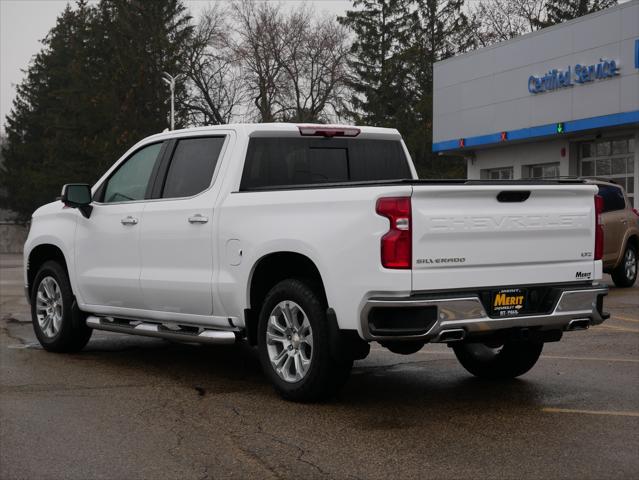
(616, 119)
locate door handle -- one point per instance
(197, 218)
(129, 220)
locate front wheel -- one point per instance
(294, 344)
(509, 360)
(57, 321)
(626, 273)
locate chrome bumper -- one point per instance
(467, 315)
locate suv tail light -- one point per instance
(599, 235)
(396, 244)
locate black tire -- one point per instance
(73, 333)
(508, 361)
(624, 276)
(325, 374)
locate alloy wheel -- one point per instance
(630, 263)
(49, 306)
(289, 341)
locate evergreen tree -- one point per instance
(395, 46)
(380, 78)
(92, 91)
(442, 30)
(136, 42)
(44, 124)
(563, 10)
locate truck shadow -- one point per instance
(414, 383)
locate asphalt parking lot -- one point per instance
(131, 407)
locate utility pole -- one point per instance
(170, 81)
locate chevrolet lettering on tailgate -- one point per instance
(506, 222)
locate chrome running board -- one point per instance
(147, 329)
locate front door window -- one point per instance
(131, 179)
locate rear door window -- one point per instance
(192, 166)
(613, 198)
(285, 162)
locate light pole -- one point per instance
(170, 81)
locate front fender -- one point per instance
(52, 225)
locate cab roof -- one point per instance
(285, 129)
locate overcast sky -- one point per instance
(23, 23)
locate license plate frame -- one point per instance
(508, 302)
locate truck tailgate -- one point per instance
(463, 235)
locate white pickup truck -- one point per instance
(310, 242)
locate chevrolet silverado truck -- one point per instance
(310, 242)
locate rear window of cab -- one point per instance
(290, 162)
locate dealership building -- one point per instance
(562, 101)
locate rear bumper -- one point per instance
(451, 317)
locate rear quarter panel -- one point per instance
(336, 228)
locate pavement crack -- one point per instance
(7, 332)
(302, 451)
(254, 456)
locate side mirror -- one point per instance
(78, 195)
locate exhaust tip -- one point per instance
(579, 324)
(454, 335)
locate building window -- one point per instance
(610, 160)
(542, 170)
(505, 173)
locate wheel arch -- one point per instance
(38, 256)
(631, 239)
(271, 269)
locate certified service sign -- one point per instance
(556, 79)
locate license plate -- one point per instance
(508, 302)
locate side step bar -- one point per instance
(181, 334)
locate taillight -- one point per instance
(396, 244)
(599, 236)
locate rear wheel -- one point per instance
(626, 273)
(509, 360)
(57, 321)
(294, 345)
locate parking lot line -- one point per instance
(592, 359)
(624, 318)
(621, 329)
(590, 412)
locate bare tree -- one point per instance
(499, 20)
(215, 84)
(256, 29)
(313, 59)
(294, 64)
